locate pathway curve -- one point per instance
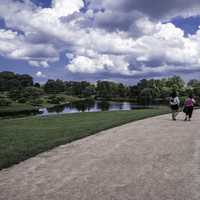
(152, 159)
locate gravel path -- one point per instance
(152, 159)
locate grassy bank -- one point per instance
(23, 138)
(25, 109)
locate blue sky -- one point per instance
(124, 40)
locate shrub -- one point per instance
(36, 102)
(54, 100)
(5, 102)
(22, 100)
(32, 92)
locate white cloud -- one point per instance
(139, 47)
(39, 74)
(66, 7)
(36, 63)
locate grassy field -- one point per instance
(16, 107)
(23, 138)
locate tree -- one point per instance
(193, 83)
(197, 91)
(5, 101)
(103, 89)
(134, 91)
(11, 81)
(7, 75)
(37, 85)
(25, 80)
(8, 81)
(53, 87)
(146, 96)
(15, 94)
(175, 83)
(32, 93)
(88, 91)
(122, 90)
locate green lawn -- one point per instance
(16, 109)
(23, 138)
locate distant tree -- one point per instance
(15, 94)
(5, 101)
(53, 87)
(8, 81)
(7, 75)
(197, 91)
(193, 83)
(122, 90)
(25, 80)
(32, 93)
(3, 86)
(36, 102)
(104, 89)
(11, 81)
(13, 84)
(53, 99)
(175, 83)
(147, 96)
(25, 94)
(88, 91)
(165, 92)
(37, 85)
(134, 91)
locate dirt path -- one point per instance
(152, 159)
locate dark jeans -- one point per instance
(189, 111)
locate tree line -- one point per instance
(22, 87)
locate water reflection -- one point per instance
(89, 106)
(56, 109)
(82, 106)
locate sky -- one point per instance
(123, 40)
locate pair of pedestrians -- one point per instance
(187, 109)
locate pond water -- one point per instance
(89, 106)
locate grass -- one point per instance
(23, 138)
(16, 109)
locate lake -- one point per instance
(89, 106)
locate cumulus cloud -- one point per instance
(15, 46)
(127, 38)
(155, 9)
(39, 74)
(39, 63)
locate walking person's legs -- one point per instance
(190, 113)
(186, 117)
(174, 114)
(186, 114)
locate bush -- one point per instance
(36, 102)
(5, 102)
(15, 94)
(54, 100)
(32, 92)
(22, 100)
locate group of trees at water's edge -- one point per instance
(21, 88)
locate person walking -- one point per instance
(174, 103)
(189, 107)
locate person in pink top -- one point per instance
(189, 107)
